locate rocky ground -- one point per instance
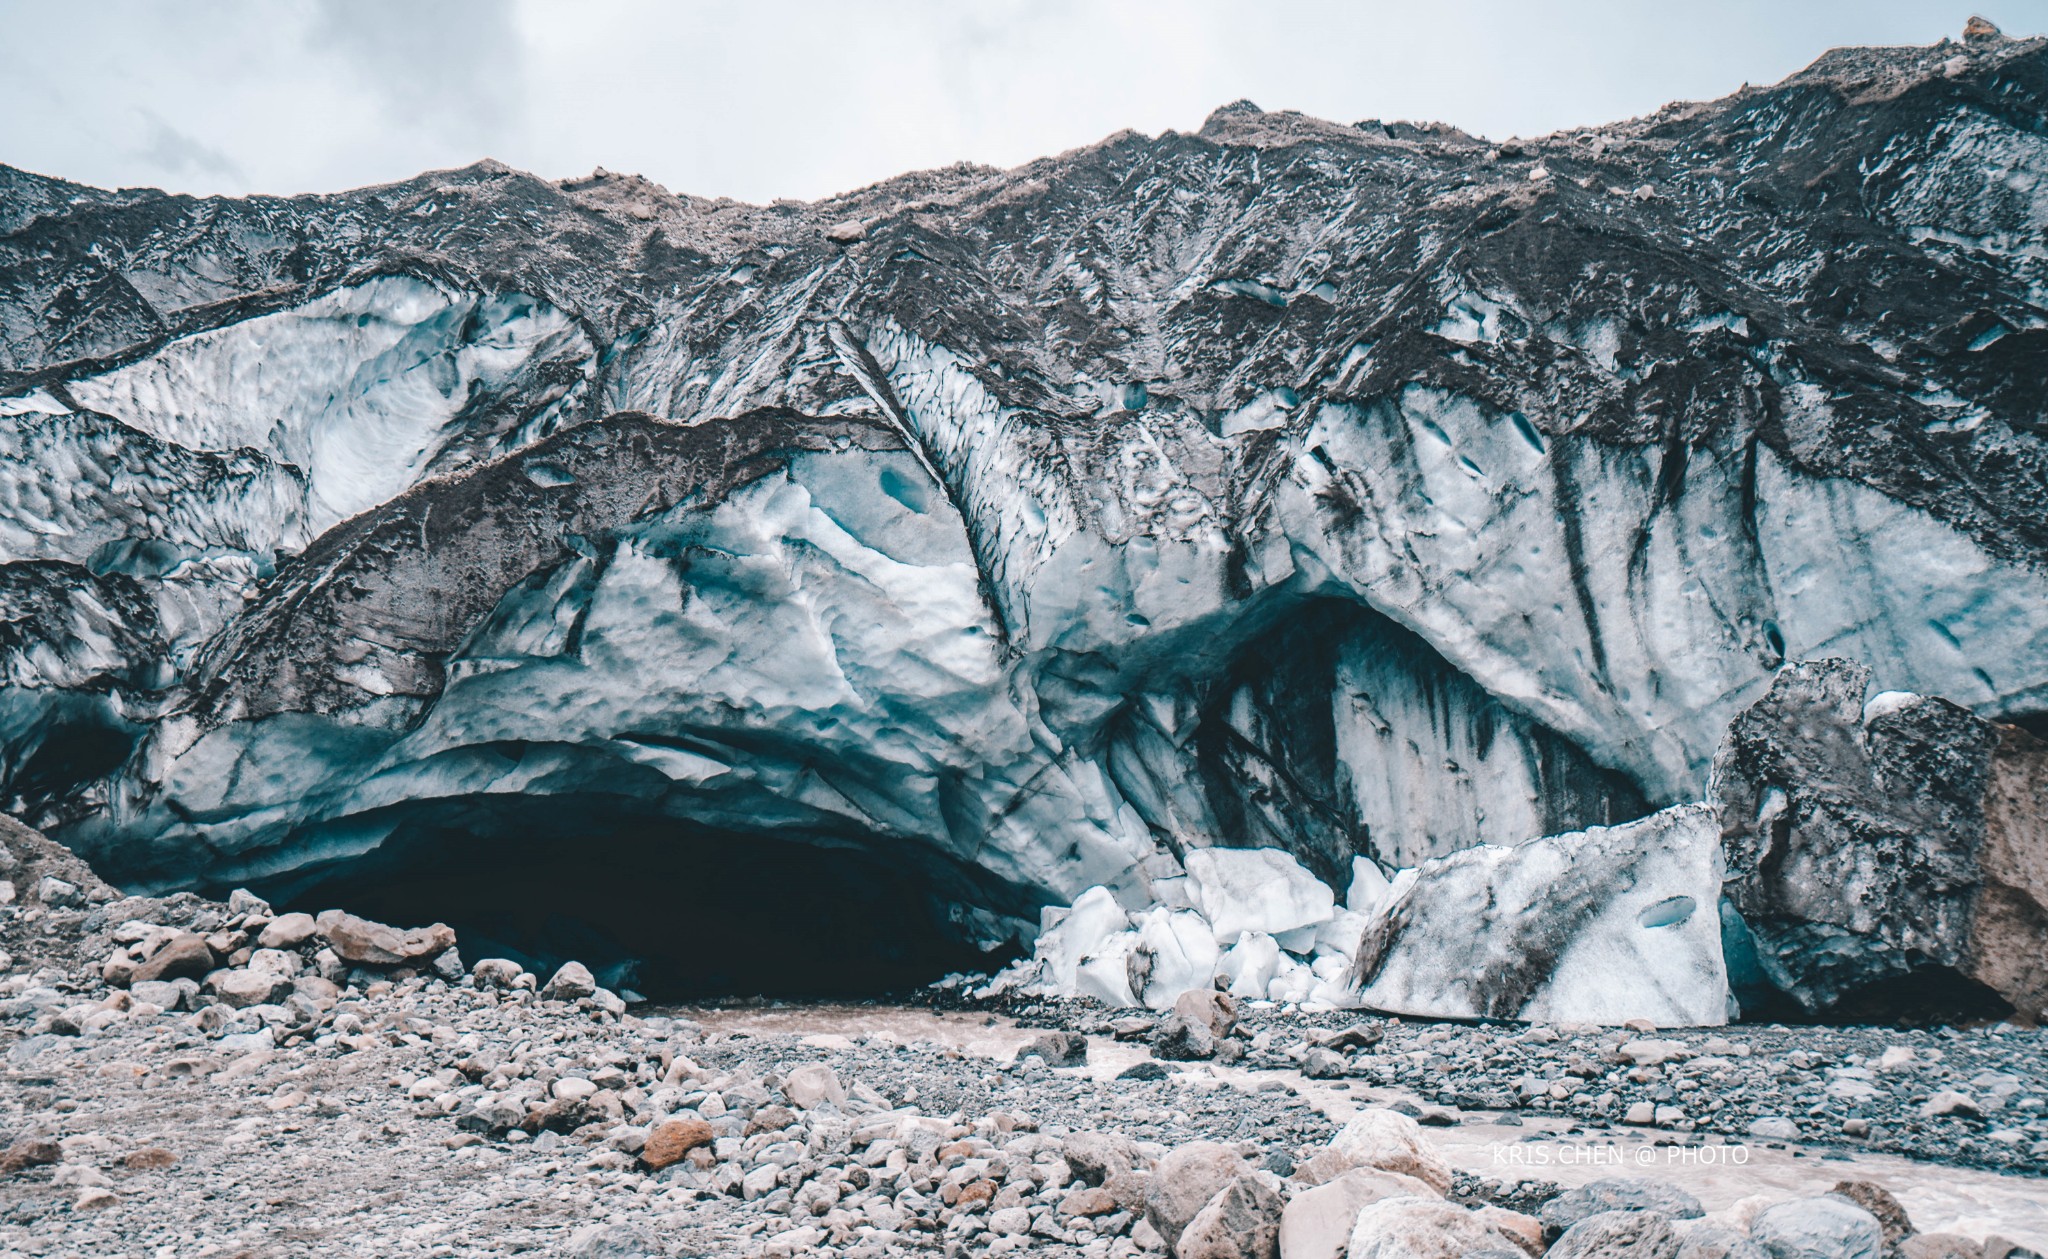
(300, 1085)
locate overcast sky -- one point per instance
(760, 99)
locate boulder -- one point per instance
(670, 1140)
(59, 893)
(1617, 1193)
(1057, 1048)
(1525, 1231)
(1240, 1222)
(1425, 1228)
(1317, 1222)
(572, 981)
(1180, 1039)
(1392, 1142)
(1826, 1227)
(1215, 1010)
(1094, 1157)
(1870, 843)
(1618, 1235)
(287, 932)
(362, 942)
(184, 955)
(160, 993)
(249, 986)
(813, 1085)
(1597, 926)
(1711, 1239)
(1255, 889)
(244, 902)
(497, 972)
(1184, 1182)
(1876, 1199)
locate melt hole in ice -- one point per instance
(1669, 912)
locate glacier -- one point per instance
(1336, 493)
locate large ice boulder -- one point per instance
(1069, 937)
(1256, 889)
(1601, 925)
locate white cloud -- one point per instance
(802, 98)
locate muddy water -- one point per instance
(1728, 1179)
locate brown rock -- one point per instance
(975, 1193)
(1241, 1222)
(366, 943)
(183, 956)
(31, 1152)
(240, 989)
(288, 932)
(1877, 1200)
(1088, 1202)
(669, 1141)
(1128, 1189)
(1940, 1246)
(1215, 1010)
(1525, 1231)
(150, 1159)
(770, 1119)
(563, 1114)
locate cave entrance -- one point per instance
(671, 911)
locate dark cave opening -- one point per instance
(1925, 997)
(666, 909)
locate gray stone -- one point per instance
(1180, 1039)
(1093, 1157)
(1058, 1049)
(1701, 1239)
(1617, 1193)
(1628, 1234)
(813, 1085)
(1324, 1064)
(158, 993)
(571, 982)
(1184, 1181)
(59, 893)
(1241, 1222)
(1825, 1227)
(497, 972)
